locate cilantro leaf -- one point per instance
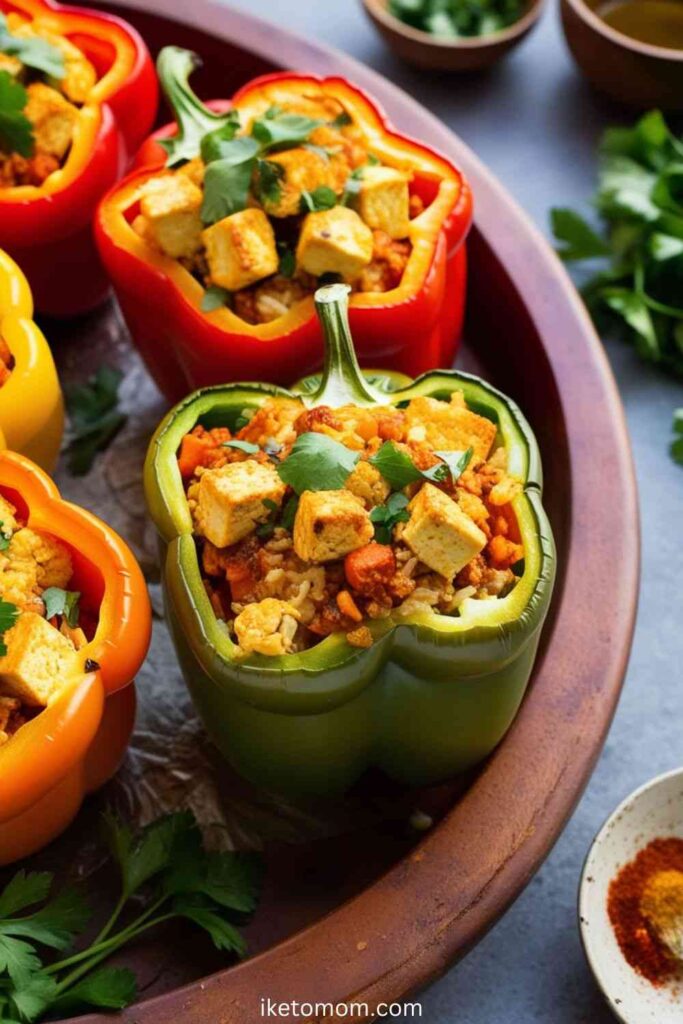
(289, 513)
(23, 890)
(62, 602)
(18, 959)
(317, 463)
(95, 418)
(33, 51)
(455, 18)
(581, 242)
(215, 144)
(223, 934)
(455, 463)
(287, 265)
(16, 131)
(269, 174)
(227, 181)
(321, 198)
(385, 517)
(395, 465)
(8, 615)
(111, 988)
(242, 446)
(55, 924)
(281, 131)
(31, 996)
(214, 298)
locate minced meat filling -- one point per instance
(287, 565)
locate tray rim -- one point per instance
(349, 967)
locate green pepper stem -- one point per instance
(194, 119)
(342, 381)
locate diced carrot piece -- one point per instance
(193, 451)
(240, 577)
(504, 552)
(347, 606)
(370, 566)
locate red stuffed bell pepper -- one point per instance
(217, 241)
(78, 94)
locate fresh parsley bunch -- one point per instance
(638, 287)
(165, 873)
(455, 18)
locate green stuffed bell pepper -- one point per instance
(428, 693)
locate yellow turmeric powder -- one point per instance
(662, 905)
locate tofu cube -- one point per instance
(230, 500)
(267, 627)
(368, 484)
(302, 171)
(53, 119)
(440, 533)
(241, 249)
(171, 206)
(449, 426)
(194, 170)
(384, 201)
(334, 241)
(330, 524)
(39, 661)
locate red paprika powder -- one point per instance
(635, 932)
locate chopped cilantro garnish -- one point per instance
(16, 131)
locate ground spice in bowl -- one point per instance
(645, 907)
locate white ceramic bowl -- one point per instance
(654, 810)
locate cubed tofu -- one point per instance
(79, 76)
(267, 627)
(440, 533)
(334, 241)
(194, 170)
(39, 661)
(330, 524)
(53, 119)
(302, 171)
(449, 426)
(230, 500)
(384, 200)
(241, 249)
(368, 484)
(171, 206)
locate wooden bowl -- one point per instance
(438, 54)
(637, 74)
(372, 914)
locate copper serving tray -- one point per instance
(374, 916)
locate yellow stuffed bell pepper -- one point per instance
(31, 404)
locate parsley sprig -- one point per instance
(95, 418)
(16, 131)
(317, 463)
(165, 873)
(638, 250)
(385, 517)
(398, 469)
(33, 51)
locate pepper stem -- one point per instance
(194, 119)
(342, 381)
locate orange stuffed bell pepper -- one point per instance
(70, 585)
(79, 94)
(31, 405)
(217, 242)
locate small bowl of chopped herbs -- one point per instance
(453, 35)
